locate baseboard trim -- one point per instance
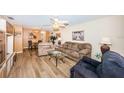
(25, 47)
(19, 52)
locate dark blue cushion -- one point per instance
(86, 70)
(112, 65)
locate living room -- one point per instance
(85, 55)
(55, 41)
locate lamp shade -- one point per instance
(106, 40)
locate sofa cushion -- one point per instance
(84, 46)
(83, 70)
(75, 54)
(81, 46)
(47, 46)
(75, 47)
(88, 46)
(69, 45)
(68, 51)
(65, 45)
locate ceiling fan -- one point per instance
(61, 23)
(57, 24)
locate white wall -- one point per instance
(2, 25)
(43, 36)
(18, 42)
(10, 44)
(94, 31)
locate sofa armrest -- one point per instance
(84, 52)
(83, 70)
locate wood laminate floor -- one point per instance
(29, 65)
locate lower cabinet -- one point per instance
(3, 71)
(6, 66)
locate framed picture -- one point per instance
(78, 35)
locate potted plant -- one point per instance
(53, 38)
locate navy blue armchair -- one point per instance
(112, 66)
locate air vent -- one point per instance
(10, 17)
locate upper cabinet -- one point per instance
(2, 25)
(9, 28)
(6, 27)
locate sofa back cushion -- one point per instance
(85, 51)
(77, 46)
(80, 48)
(65, 45)
(69, 45)
(85, 46)
(75, 54)
(74, 47)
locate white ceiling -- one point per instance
(38, 21)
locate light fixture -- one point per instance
(59, 38)
(55, 27)
(42, 32)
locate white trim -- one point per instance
(25, 47)
(19, 52)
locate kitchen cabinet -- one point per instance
(6, 48)
(3, 71)
(2, 47)
(9, 28)
(6, 66)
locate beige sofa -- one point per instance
(75, 50)
(43, 48)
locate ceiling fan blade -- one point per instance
(62, 25)
(63, 21)
(52, 19)
(66, 24)
(58, 24)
